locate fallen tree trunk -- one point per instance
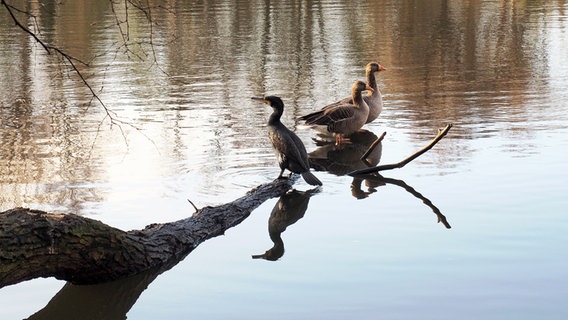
(85, 251)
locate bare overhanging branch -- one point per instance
(71, 60)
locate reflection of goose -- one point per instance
(289, 209)
(345, 158)
(343, 119)
(370, 182)
(289, 149)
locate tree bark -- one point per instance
(86, 251)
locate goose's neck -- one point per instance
(372, 81)
(357, 97)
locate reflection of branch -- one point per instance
(439, 136)
(426, 201)
(376, 180)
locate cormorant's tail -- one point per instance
(311, 179)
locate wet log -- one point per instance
(85, 251)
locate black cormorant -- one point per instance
(289, 149)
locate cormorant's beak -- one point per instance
(260, 99)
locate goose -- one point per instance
(343, 118)
(373, 100)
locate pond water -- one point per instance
(181, 125)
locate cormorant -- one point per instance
(289, 149)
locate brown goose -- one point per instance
(289, 149)
(343, 119)
(373, 100)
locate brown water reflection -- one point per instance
(482, 65)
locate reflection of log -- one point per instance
(109, 300)
(439, 136)
(84, 251)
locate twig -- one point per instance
(194, 207)
(439, 136)
(373, 146)
(71, 60)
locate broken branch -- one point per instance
(373, 146)
(439, 136)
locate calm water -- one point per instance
(185, 128)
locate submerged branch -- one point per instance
(373, 146)
(439, 136)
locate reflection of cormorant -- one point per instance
(289, 209)
(289, 149)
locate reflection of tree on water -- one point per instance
(290, 208)
(343, 159)
(110, 300)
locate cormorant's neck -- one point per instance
(275, 117)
